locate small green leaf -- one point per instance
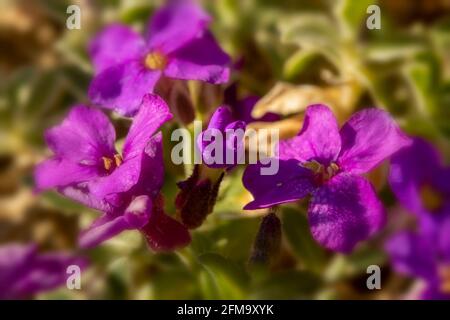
(229, 279)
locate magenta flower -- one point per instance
(86, 167)
(24, 272)
(177, 45)
(221, 144)
(424, 255)
(327, 164)
(421, 183)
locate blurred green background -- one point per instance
(290, 52)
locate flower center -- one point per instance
(444, 275)
(431, 199)
(155, 60)
(321, 173)
(108, 163)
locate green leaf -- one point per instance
(353, 13)
(229, 280)
(287, 285)
(296, 229)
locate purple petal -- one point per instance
(201, 59)
(292, 182)
(137, 151)
(153, 113)
(444, 238)
(318, 140)
(345, 211)
(14, 259)
(369, 137)
(84, 136)
(122, 87)
(135, 216)
(60, 173)
(152, 170)
(230, 132)
(433, 293)
(80, 193)
(176, 24)
(24, 272)
(413, 255)
(411, 168)
(114, 45)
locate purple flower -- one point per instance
(24, 272)
(242, 108)
(327, 164)
(177, 45)
(421, 182)
(424, 255)
(422, 185)
(87, 167)
(221, 144)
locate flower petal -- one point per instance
(369, 137)
(411, 168)
(176, 24)
(318, 140)
(135, 216)
(122, 87)
(84, 136)
(153, 113)
(24, 272)
(413, 255)
(345, 211)
(201, 59)
(60, 173)
(80, 192)
(292, 182)
(114, 45)
(162, 232)
(230, 146)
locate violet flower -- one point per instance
(424, 255)
(177, 45)
(327, 164)
(221, 144)
(422, 184)
(24, 272)
(125, 186)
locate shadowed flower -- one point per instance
(86, 167)
(327, 164)
(424, 255)
(177, 45)
(421, 182)
(24, 272)
(222, 143)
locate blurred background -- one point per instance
(288, 52)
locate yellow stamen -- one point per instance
(323, 173)
(118, 159)
(314, 166)
(107, 163)
(431, 199)
(155, 60)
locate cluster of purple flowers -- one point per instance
(322, 161)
